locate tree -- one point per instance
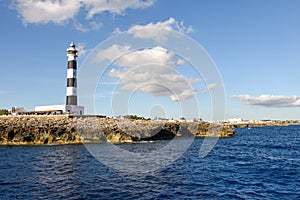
(4, 112)
(134, 117)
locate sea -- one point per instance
(256, 163)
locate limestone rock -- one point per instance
(63, 129)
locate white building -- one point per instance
(235, 120)
(66, 109)
(17, 111)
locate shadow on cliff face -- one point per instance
(169, 132)
(165, 134)
(161, 135)
(20, 135)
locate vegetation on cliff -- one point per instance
(4, 112)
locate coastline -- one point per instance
(246, 125)
(64, 129)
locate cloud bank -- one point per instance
(113, 6)
(270, 100)
(37, 11)
(159, 31)
(149, 70)
(60, 11)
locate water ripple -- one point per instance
(261, 163)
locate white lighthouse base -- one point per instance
(65, 109)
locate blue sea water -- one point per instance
(257, 163)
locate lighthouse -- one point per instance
(71, 76)
(71, 107)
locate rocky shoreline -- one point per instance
(248, 125)
(29, 130)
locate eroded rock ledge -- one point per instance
(15, 130)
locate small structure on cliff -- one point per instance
(17, 111)
(71, 106)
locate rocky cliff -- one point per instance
(64, 129)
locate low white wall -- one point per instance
(67, 109)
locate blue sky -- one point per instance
(254, 44)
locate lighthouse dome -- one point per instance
(72, 44)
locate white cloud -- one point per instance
(60, 11)
(80, 27)
(113, 6)
(210, 87)
(96, 25)
(149, 70)
(112, 53)
(117, 31)
(158, 31)
(37, 11)
(189, 93)
(127, 57)
(270, 100)
(87, 27)
(156, 80)
(186, 94)
(214, 85)
(82, 50)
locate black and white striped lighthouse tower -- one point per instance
(71, 107)
(71, 76)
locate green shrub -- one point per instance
(4, 112)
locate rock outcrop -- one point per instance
(16, 130)
(37, 130)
